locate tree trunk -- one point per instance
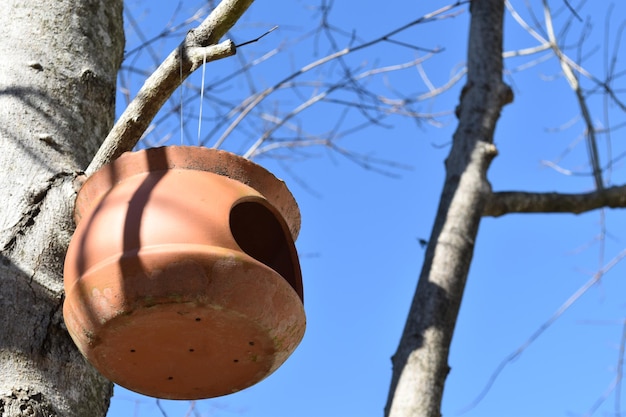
(57, 94)
(420, 365)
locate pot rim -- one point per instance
(198, 158)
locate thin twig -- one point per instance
(620, 372)
(592, 146)
(616, 383)
(257, 38)
(571, 9)
(526, 51)
(557, 314)
(158, 403)
(258, 98)
(252, 151)
(576, 67)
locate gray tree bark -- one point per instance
(57, 105)
(420, 365)
(57, 94)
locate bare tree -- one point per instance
(420, 364)
(57, 108)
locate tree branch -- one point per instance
(502, 203)
(199, 45)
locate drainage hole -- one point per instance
(169, 378)
(198, 319)
(191, 350)
(235, 360)
(251, 343)
(132, 351)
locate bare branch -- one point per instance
(253, 150)
(158, 403)
(516, 16)
(556, 315)
(526, 51)
(592, 146)
(198, 46)
(254, 101)
(258, 38)
(502, 203)
(616, 383)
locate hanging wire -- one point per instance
(201, 98)
(181, 97)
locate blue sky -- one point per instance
(359, 248)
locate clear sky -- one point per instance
(359, 247)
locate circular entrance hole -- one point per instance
(260, 234)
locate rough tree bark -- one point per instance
(420, 365)
(57, 94)
(57, 98)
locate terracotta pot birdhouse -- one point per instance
(182, 279)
